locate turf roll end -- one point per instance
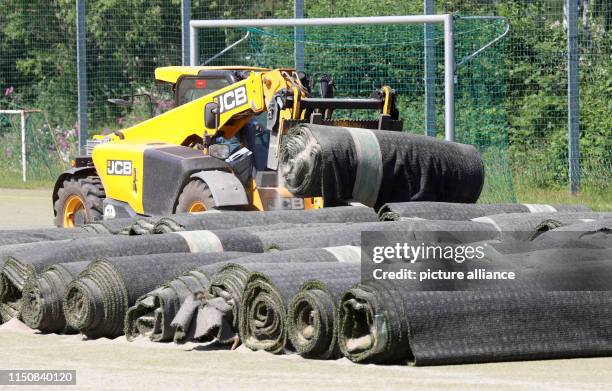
(371, 328)
(143, 318)
(262, 316)
(310, 322)
(32, 308)
(80, 305)
(96, 302)
(43, 295)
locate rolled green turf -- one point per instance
(374, 167)
(312, 317)
(395, 211)
(42, 235)
(230, 219)
(25, 260)
(121, 226)
(219, 320)
(524, 226)
(96, 302)
(263, 308)
(395, 325)
(557, 307)
(152, 313)
(42, 297)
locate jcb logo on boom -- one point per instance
(119, 167)
(232, 99)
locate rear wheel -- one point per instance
(79, 201)
(195, 197)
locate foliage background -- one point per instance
(515, 96)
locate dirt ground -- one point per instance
(121, 365)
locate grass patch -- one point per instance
(12, 183)
(597, 198)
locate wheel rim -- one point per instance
(197, 206)
(73, 208)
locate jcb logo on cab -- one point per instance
(231, 99)
(119, 167)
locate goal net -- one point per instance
(30, 150)
(362, 58)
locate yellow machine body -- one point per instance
(185, 123)
(155, 166)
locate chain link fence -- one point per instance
(511, 100)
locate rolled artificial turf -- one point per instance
(595, 233)
(42, 235)
(232, 219)
(218, 315)
(23, 261)
(351, 234)
(312, 317)
(530, 223)
(375, 167)
(96, 302)
(43, 296)
(26, 260)
(152, 313)
(384, 324)
(143, 226)
(120, 226)
(395, 211)
(558, 306)
(98, 228)
(10, 293)
(263, 307)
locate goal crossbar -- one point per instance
(445, 19)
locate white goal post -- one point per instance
(22, 125)
(445, 19)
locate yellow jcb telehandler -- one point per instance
(216, 148)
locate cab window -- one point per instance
(192, 88)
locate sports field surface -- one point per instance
(121, 365)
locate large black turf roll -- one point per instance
(377, 166)
(390, 323)
(559, 305)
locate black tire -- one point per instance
(195, 192)
(91, 193)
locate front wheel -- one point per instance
(79, 201)
(195, 197)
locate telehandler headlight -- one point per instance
(220, 151)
